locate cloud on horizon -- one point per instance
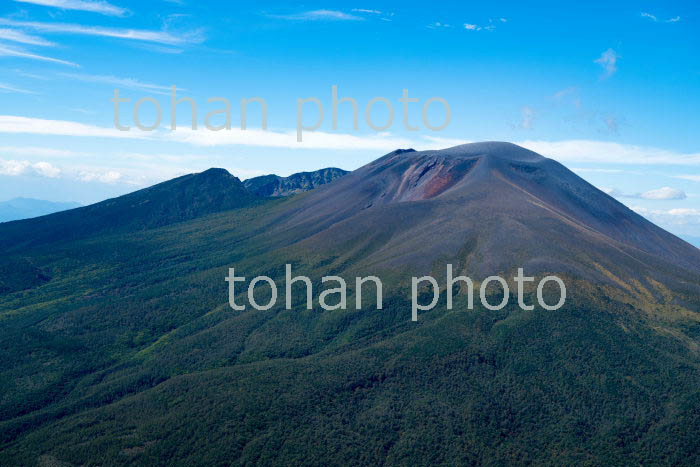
(569, 151)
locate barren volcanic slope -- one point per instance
(120, 348)
(516, 207)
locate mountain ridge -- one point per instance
(276, 186)
(177, 200)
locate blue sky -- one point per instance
(611, 89)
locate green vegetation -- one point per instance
(130, 355)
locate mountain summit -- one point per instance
(498, 204)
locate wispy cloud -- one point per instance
(9, 51)
(160, 37)
(438, 25)
(656, 19)
(664, 194)
(320, 15)
(528, 116)
(35, 151)
(603, 152)
(692, 178)
(9, 88)
(364, 10)
(559, 95)
(597, 170)
(671, 217)
(37, 126)
(101, 7)
(608, 60)
(661, 194)
(23, 38)
(568, 151)
(488, 27)
(612, 124)
(127, 83)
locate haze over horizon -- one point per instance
(615, 102)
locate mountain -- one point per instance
(275, 186)
(177, 200)
(180, 199)
(120, 346)
(25, 208)
(512, 205)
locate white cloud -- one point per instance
(656, 19)
(280, 139)
(16, 168)
(320, 15)
(597, 170)
(38, 126)
(692, 178)
(528, 118)
(666, 194)
(363, 10)
(671, 217)
(9, 88)
(608, 60)
(609, 153)
(438, 25)
(107, 176)
(13, 35)
(160, 37)
(127, 83)
(559, 95)
(35, 151)
(9, 51)
(101, 7)
(204, 137)
(576, 151)
(614, 192)
(490, 27)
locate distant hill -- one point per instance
(120, 348)
(26, 208)
(275, 186)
